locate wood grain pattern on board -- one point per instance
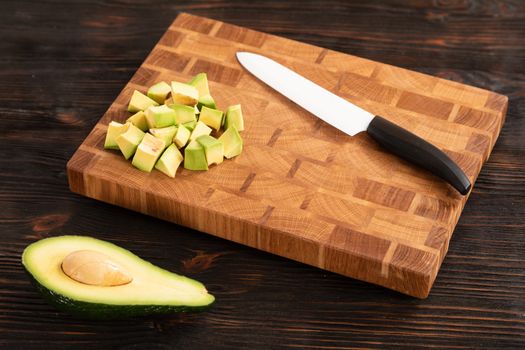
(302, 189)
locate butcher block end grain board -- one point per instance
(301, 189)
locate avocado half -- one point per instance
(152, 291)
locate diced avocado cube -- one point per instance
(169, 161)
(200, 129)
(183, 113)
(181, 136)
(213, 149)
(160, 116)
(139, 120)
(234, 117)
(128, 141)
(195, 157)
(200, 81)
(232, 142)
(115, 129)
(159, 92)
(207, 101)
(211, 117)
(190, 125)
(184, 94)
(148, 151)
(140, 102)
(166, 134)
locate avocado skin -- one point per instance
(96, 311)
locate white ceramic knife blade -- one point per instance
(352, 119)
(327, 106)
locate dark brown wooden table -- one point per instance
(62, 63)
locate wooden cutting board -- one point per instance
(302, 189)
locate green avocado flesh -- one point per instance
(169, 161)
(139, 120)
(190, 125)
(211, 117)
(140, 102)
(183, 114)
(163, 126)
(206, 101)
(234, 118)
(195, 157)
(152, 291)
(115, 129)
(182, 136)
(184, 94)
(159, 92)
(129, 141)
(200, 129)
(148, 152)
(159, 116)
(213, 149)
(165, 134)
(232, 142)
(200, 82)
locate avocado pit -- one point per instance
(94, 268)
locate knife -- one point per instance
(352, 119)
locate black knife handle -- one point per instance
(418, 151)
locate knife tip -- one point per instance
(245, 55)
(240, 54)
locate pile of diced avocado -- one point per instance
(174, 118)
